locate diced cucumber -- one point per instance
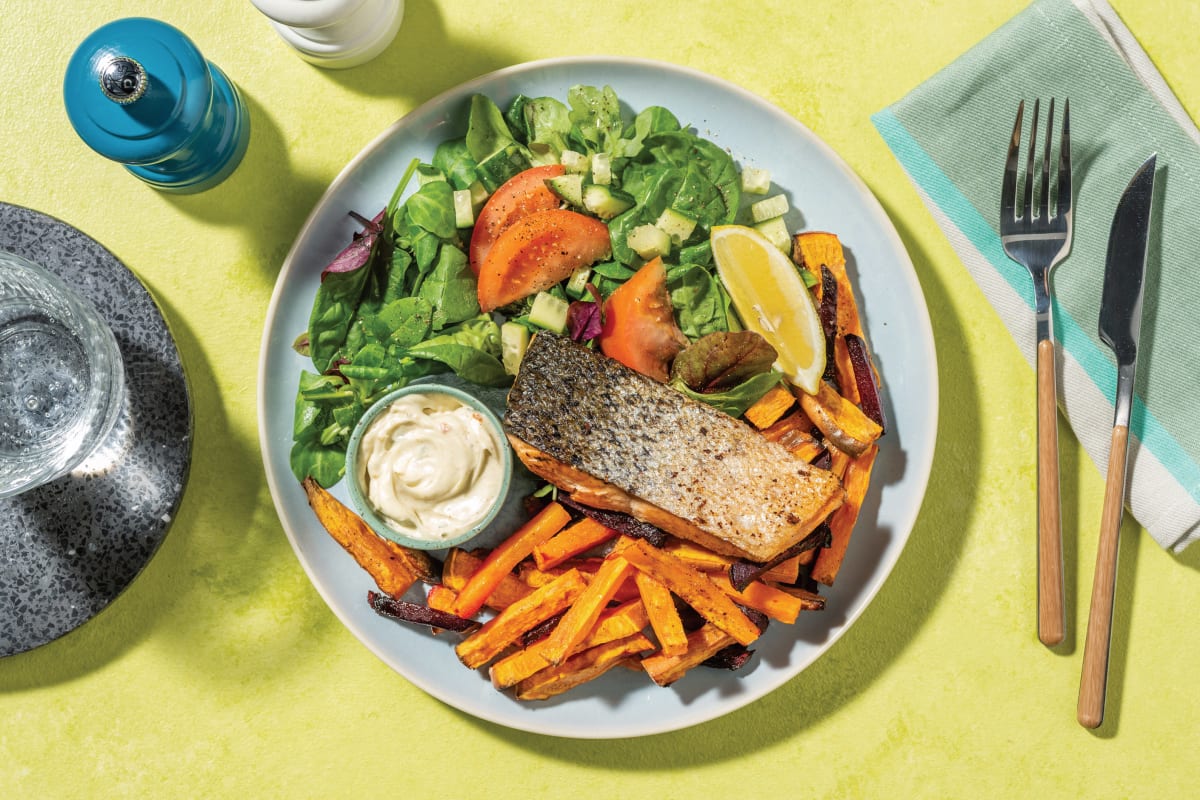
(774, 206)
(549, 312)
(569, 187)
(604, 201)
(573, 161)
(479, 194)
(577, 283)
(776, 232)
(464, 211)
(676, 225)
(648, 241)
(514, 339)
(756, 180)
(602, 169)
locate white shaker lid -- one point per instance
(335, 33)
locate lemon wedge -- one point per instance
(772, 300)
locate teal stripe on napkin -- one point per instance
(951, 136)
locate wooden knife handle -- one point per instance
(1052, 616)
(1093, 682)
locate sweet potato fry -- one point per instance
(581, 617)
(614, 623)
(694, 588)
(770, 407)
(794, 432)
(581, 668)
(841, 522)
(843, 424)
(578, 538)
(461, 565)
(703, 643)
(664, 618)
(504, 628)
(441, 598)
(500, 562)
(774, 603)
(393, 568)
(588, 567)
(811, 601)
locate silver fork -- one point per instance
(1040, 241)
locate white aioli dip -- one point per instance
(430, 466)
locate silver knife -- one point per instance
(1120, 329)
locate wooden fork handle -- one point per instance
(1093, 682)
(1051, 599)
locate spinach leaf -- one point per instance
(595, 117)
(680, 148)
(431, 208)
(455, 161)
(404, 322)
(651, 120)
(451, 289)
(332, 314)
(312, 453)
(471, 349)
(702, 306)
(487, 132)
(543, 124)
(498, 155)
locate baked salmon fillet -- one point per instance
(616, 439)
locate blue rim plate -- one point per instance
(828, 195)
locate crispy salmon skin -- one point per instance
(617, 439)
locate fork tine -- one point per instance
(1044, 203)
(1027, 209)
(1064, 162)
(1008, 189)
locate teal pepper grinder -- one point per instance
(137, 91)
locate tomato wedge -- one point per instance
(536, 252)
(521, 195)
(639, 323)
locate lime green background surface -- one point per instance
(221, 673)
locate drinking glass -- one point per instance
(62, 380)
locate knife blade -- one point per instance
(1120, 329)
(1124, 276)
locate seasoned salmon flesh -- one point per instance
(616, 439)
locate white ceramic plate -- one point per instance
(828, 197)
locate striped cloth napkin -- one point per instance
(951, 136)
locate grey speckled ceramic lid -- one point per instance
(68, 548)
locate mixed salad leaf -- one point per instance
(400, 301)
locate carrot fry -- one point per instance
(703, 643)
(461, 565)
(500, 562)
(588, 567)
(394, 568)
(570, 542)
(614, 623)
(694, 588)
(503, 629)
(841, 522)
(581, 617)
(581, 668)
(774, 603)
(663, 616)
